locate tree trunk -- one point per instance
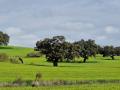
(112, 57)
(84, 60)
(55, 63)
(21, 60)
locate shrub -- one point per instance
(37, 81)
(38, 76)
(3, 57)
(34, 54)
(16, 60)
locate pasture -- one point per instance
(98, 68)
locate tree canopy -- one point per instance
(58, 49)
(4, 38)
(53, 48)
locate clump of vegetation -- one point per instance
(34, 54)
(37, 79)
(16, 60)
(3, 57)
(38, 76)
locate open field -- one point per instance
(95, 69)
(99, 69)
(15, 51)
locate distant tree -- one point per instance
(87, 48)
(4, 38)
(58, 49)
(109, 51)
(117, 51)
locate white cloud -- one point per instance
(75, 26)
(30, 36)
(13, 31)
(75, 19)
(31, 39)
(101, 38)
(111, 30)
(19, 37)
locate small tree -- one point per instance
(4, 38)
(109, 51)
(87, 48)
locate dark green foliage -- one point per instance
(117, 51)
(100, 50)
(4, 38)
(57, 49)
(53, 48)
(87, 48)
(69, 50)
(109, 51)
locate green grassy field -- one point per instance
(94, 69)
(15, 51)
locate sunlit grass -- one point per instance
(94, 69)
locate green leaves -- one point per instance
(57, 48)
(4, 38)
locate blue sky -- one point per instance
(27, 21)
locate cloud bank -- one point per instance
(27, 21)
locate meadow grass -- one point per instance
(15, 51)
(94, 69)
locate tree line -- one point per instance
(57, 49)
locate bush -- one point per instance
(34, 54)
(38, 76)
(3, 57)
(15, 60)
(37, 79)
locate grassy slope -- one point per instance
(15, 51)
(94, 69)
